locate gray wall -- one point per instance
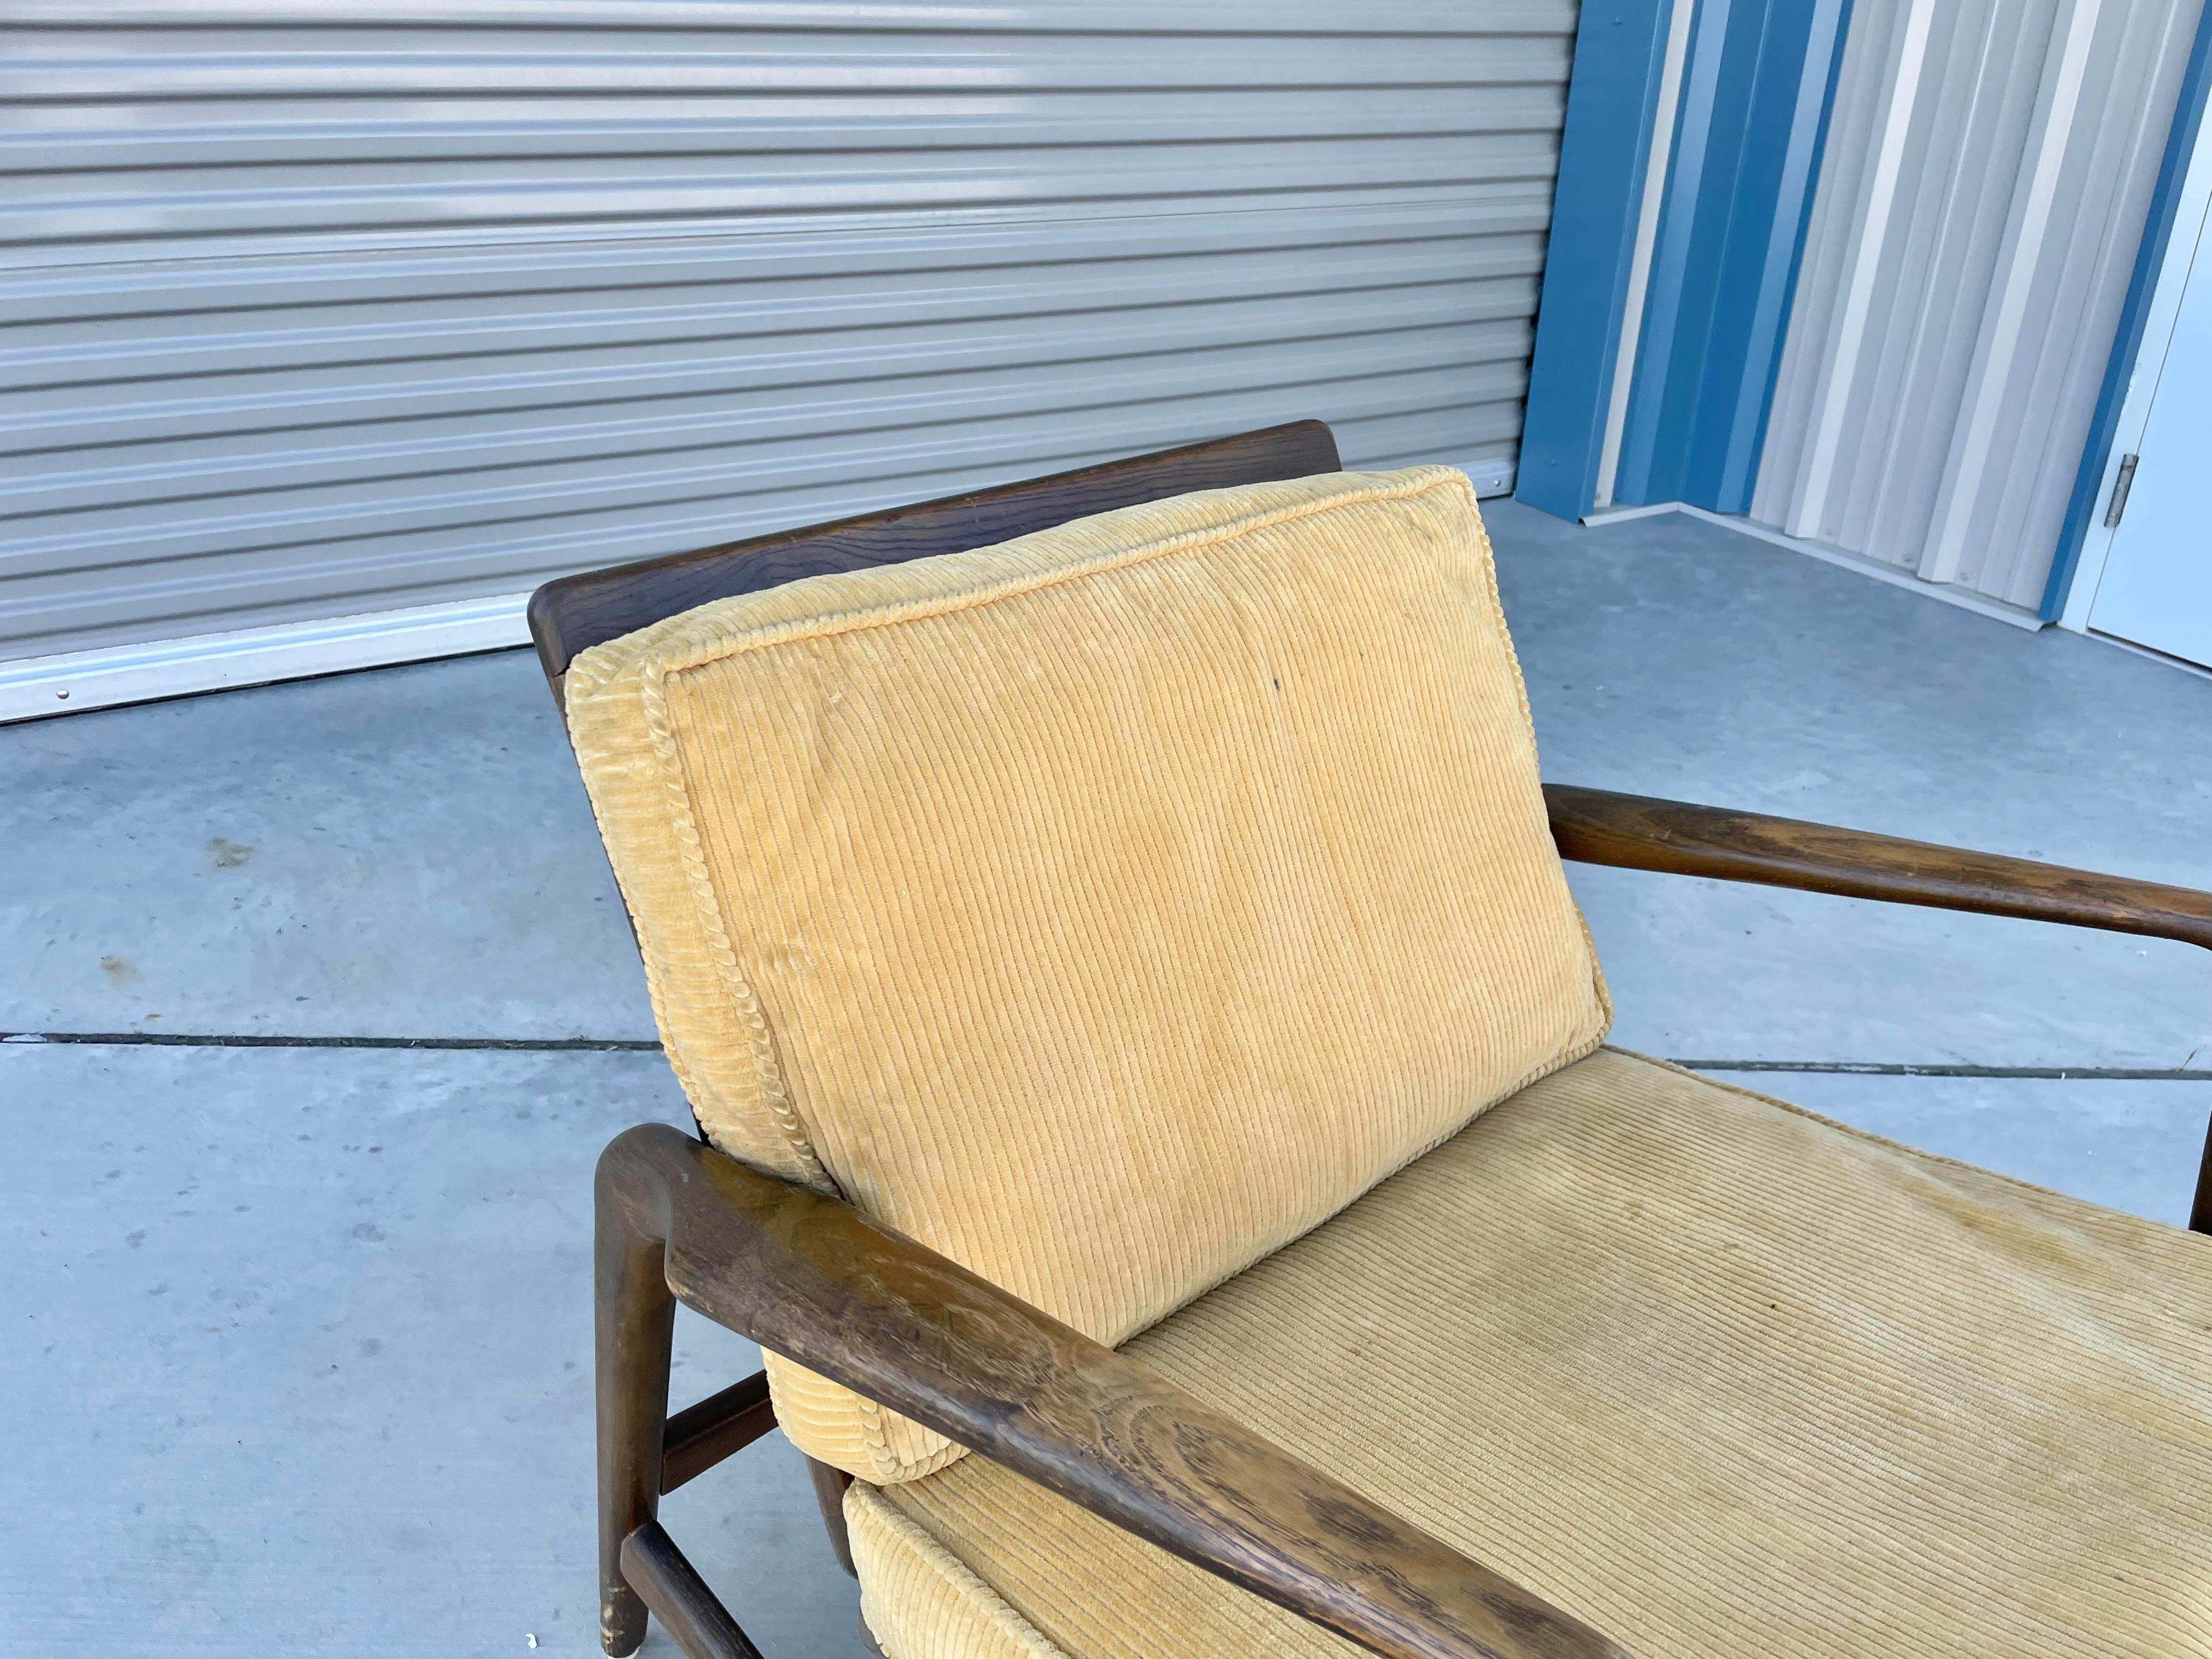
(326, 309)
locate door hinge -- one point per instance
(2121, 485)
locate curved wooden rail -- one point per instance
(568, 616)
(813, 1278)
(1638, 832)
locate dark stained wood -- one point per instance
(815, 1279)
(642, 1451)
(636, 1317)
(829, 1486)
(1638, 832)
(577, 612)
(812, 1278)
(2200, 1210)
(679, 1598)
(1596, 826)
(699, 1437)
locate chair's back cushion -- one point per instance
(1105, 908)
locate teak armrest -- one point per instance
(815, 1279)
(1597, 826)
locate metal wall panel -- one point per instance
(1988, 170)
(314, 310)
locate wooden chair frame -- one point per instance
(814, 1279)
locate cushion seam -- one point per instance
(653, 673)
(1918, 1154)
(940, 1557)
(690, 853)
(724, 640)
(896, 1468)
(798, 630)
(1528, 723)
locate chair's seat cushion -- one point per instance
(1717, 1376)
(1104, 908)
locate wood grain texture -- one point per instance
(577, 612)
(723, 1424)
(829, 1486)
(812, 1278)
(1636, 832)
(634, 1315)
(641, 1452)
(679, 1598)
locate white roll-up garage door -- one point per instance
(316, 309)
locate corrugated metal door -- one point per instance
(317, 309)
(1987, 175)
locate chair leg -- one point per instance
(829, 1492)
(635, 1325)
(643, 1451)
(2200, 1211)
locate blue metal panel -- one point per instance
(1756, 93)
(1619, 48)
(1785, 252)
(2135, 311)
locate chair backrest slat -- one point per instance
(575, 613)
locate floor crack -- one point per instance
(647, 1045)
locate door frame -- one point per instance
(2161, 310)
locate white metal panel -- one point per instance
(313, 310)
(2154, 587)
(2186, 244)
(1986, 179)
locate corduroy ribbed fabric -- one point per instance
(1104, 908)
(920, 1603)
(1723, 1379)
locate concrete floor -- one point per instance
(303, 1332)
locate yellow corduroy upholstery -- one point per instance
(919, 1600)
(1724, 1379)
(1105, 908)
